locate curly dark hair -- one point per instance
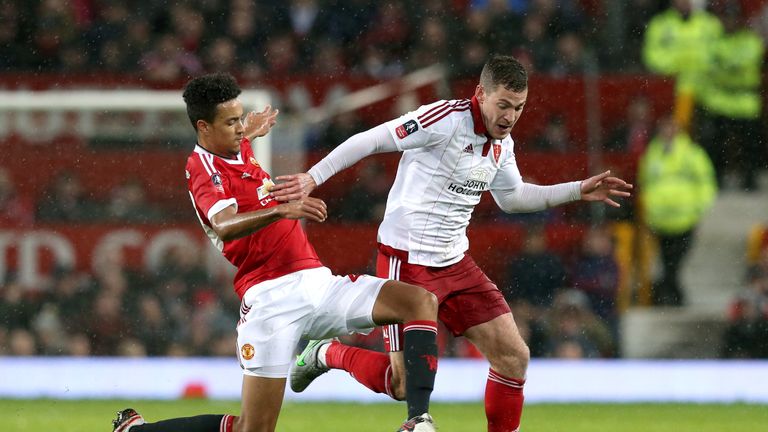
(504, 70)
(204, 93)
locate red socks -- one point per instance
(503, 402)
(370, 368)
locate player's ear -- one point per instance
(202, 126)
(479, 93)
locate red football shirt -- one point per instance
(216, 183)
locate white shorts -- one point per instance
(314, 303)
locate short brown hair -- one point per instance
(504, 70)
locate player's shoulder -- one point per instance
(201, 161)
(437, 112)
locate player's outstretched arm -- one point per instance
(230, 225)
(293, 187)
(348, 153)
(258, 124)
(603, 187)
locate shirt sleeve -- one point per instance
(348, 153)
(423, 126)
(412, 130)
(513, 195)
(208, 188)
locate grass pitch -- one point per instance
(96, 415)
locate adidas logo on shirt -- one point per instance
(469, 149)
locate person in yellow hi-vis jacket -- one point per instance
(677, 44)
(728, 123)
(677, 185)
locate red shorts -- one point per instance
(467, 297)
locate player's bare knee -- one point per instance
(428, 305)
(419, 304)
(512, 362)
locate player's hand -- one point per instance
(310, 208)
(258, 124)
(293, 187)
(602, 187)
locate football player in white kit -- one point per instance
(452, 152)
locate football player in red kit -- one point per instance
(286, 292)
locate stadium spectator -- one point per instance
(131, 347)
(16, 307)
(575, 331)
(595, 272)
(441, 178)
(431, 46)
(169, 61)
(220, 55)
(79, 345)
(572, 58)
(128, 203)
(66, 200)
(106, 324)
(15, 210)
(633, 133)
(678, 44)
(49, 331)
(152, 326)
(536, 274)
(728, 122)
(329, 60)
(555, 138)
(233, 204)
(72, 292)
(281, 56)
(537, 45)
(12, 50)
(677, 188)
(366, 198)
(22, 343)
(747, 328)
(338, 128)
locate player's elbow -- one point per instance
(225, 232)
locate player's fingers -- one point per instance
(599, 177)
(317, 202)
(316, 212)
(615, 182)
(286, 198)
(611, 202)
(619, 193)
(289, 186)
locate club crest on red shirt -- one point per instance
(253, 161)
(406, 129)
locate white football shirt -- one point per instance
(447, 164)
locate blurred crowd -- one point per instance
(67, 200)
(177, 310)
(565, 305)
(747, 330)
(180, 309)
(329, 37)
